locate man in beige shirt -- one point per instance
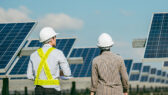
(109, 75)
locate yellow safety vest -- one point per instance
(44, 64)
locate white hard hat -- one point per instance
(46, 33)
(105, 40)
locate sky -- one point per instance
(124, 20)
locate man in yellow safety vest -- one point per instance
(44, 64)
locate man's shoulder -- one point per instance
(57, 50)
(97, 58)
(117, 56)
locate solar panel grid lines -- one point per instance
(15, 35)
(90, 65)
(136, 71)
(137, 67)
(4, 37)
(85, 58)
(2, 26)
(128, 64)
(83, 70)
(153, 71)
(146, 69)
(15, 61)
(20, 62)
(144, 78)
(134, 77)
(85, 61)
(157, 37)
(158, 77)
(144, 75)
(163, 73)
(75, 54)
(152, 79)
(159, 72)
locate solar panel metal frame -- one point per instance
(29, 41)
(153, 59)
(18, 50)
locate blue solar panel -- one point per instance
(159, 72)
(162, 81)
(153, 71)
(12, 38)
(21, 65)
(158, 80)
(156, 46)
(63, 44)
(134, 77)
(166, 81)
(146, 69)
(83, 70)
(152, 79)
(163, 74)
(137, 66)
(144, 78)
(128, 64)
(165, 64)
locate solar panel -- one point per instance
(134, 77)
(159, 73)
(63, 44)
(164, 74)
(83, 70)
(153, 71)
(144, 78)
(156, 46)
(128, 64)
(165, 64)
(21, 66)
(137, 66)
(162, 81)
(12, 39)
(166, 81)
(146, 69)
(151, 79)
(158, 80)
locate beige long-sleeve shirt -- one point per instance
(109, 75)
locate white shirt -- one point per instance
(55, 59)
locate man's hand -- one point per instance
(125, 93)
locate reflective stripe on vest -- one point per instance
(44, 64)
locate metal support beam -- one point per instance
(28, 51)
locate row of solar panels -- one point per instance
(147, 74)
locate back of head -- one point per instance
(46, 33)
(105, 41)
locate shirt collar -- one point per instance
(106, 52)
(47, 45)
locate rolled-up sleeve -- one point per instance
(94, 78)
(64, 65)
(124, 76)
(30, 74)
